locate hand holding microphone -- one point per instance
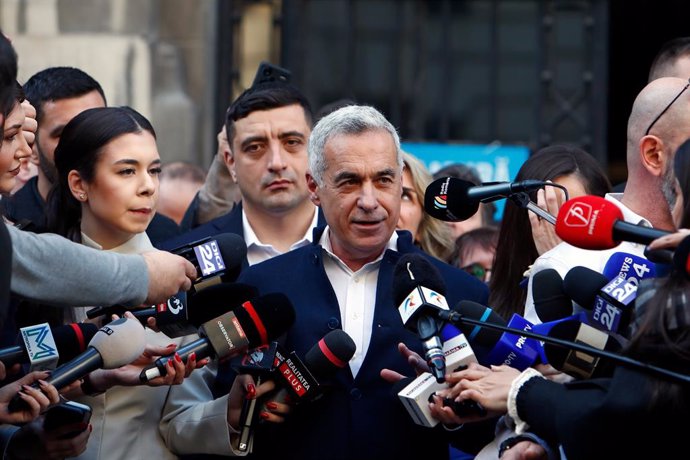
(115, 344)
(34, 395)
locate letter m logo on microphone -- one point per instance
(39, 341)
(578, 215)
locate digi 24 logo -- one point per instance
(209, 258)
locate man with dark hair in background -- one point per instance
(268, 127)
(59, 94)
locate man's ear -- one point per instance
(652, 155)
(229, 160)
(313, 188)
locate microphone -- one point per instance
(183, 315)
(550, 301)
(43, 347)
(576, 363)
(516, 351)
(452, 200)
(217, 255)
(250, 325)
(114, 345)
(610, 302)
(419, 291)
(299, 380)
(591, 222)
(629, 266)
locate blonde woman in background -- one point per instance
(431, 235)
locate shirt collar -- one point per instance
(628, 215)
(251, 239)
(325, 243)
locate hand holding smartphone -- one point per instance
(67, 413)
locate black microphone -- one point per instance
(550, 301)
(114, 345)
(217, 255)
(419, 291)
(452, 200)
(183, 315)
(578, 364)
(611, 303)
(250, 325)
(43, 347)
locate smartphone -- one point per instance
(268, 72)
(67, 413)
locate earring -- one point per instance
(82, 196)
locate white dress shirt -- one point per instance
(259, 252)
(356, 293)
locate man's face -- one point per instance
(54, 116)
(360, 194)
(268, 158)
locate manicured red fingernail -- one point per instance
(192, 356)
(177, 358)
(251, 391)
(272, 405)
(264, 415)
(170, 363)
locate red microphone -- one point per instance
(591, 222)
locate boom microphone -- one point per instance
(43, 347)
(114, 345)
(591, 222)
(452, 200)
(419, 291)
(250, 325)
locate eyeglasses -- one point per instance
(477, 270)
(667, 107)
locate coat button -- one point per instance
(333, 323)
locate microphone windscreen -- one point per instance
(446, 199)
(478, 335)
(233, 249)
(583, 284)
(414, 270)
(587, 222)
(215, 300)
(119, 342)
(576, 331)
(265, 318)
(681, 256)
(71, 340)
(550, 301)
(331, 353)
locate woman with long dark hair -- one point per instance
(518, 245)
